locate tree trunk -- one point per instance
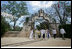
(14, 25)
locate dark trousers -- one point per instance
(54, 36)
(63, 37)
(39, 36)
(48, 35)
(43, 35)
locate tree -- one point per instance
(16, 9)
(60, 13)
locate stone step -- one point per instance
(11, 34)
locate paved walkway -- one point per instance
(23, 42)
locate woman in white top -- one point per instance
(31, 34)
(43, 33)
(62, 31)
(54, 33)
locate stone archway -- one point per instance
(40, 15)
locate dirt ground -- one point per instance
(26, 42)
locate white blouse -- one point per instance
(54, 31)
(62, 31)
(42, 31)
(31, 34)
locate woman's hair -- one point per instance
(61, 27)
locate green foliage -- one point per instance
(68, 8)
(38, 27)
(67, 28)
(27, 19)
(43, 25)
(4, 26)
(18, 28)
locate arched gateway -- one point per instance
(41, 15)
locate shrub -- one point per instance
(4, 26)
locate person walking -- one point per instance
(54, 33)
(36, 34)
(31, 34)
(48, 34)
(62, 32)
(43, 33)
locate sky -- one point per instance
(33, 7)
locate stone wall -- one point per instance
(11, 34)
(25, 31)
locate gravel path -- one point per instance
(23, 42)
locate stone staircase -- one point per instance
(11, 34)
